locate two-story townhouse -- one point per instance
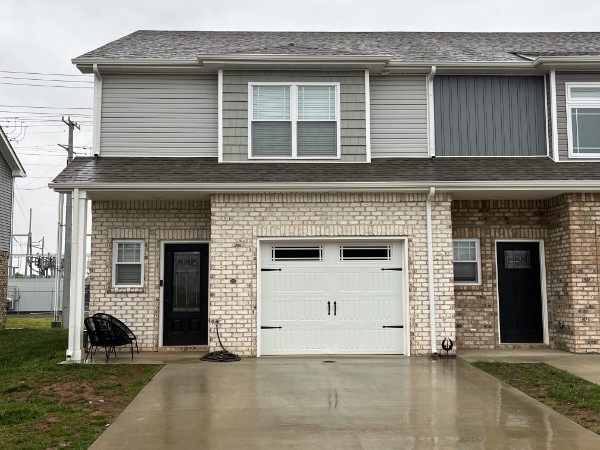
(342, 193)
(10, 167)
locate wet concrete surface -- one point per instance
(352, 403)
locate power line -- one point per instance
(43, 107)
(42, 73)
(45, 79)
(45, 85)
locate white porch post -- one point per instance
(78, 261)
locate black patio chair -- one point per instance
(96, 338)
(92, 337)
(122, 331)
(110, 336)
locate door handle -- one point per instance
(335, 308)
(328, 308)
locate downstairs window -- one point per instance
(467, 261)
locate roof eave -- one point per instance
(86, 64)
(414, 186)
(568, 62)
(10, 156)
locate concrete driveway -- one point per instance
(351, 403)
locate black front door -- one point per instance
(520, 292)
(185, 294)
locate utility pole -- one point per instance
(29, 248)
(66, 298)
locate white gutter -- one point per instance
(456, 186)
(97, 120)
(590, 60)
(430, 112)
(431, 276)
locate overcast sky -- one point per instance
(41, 37)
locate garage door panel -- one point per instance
(294, 308)
(372, 280)
(296, 282)
(380, 311)
(360, 340)
(310, 340)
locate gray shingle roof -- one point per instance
(87, 170)
(402, 46)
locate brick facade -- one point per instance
(154, 222)
(569, 227)
(488, 221)
(233, 224)
(238, 220)
(4, 256)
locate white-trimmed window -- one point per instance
(583, 119)
(467, 261)
(128, 263)
(294, 120)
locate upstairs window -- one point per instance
(583, 117)
(467, 261)
(294, 120)
(128, 263)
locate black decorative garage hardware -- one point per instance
(270, 270)
(393, 326)
(264, 327)
(398, 269)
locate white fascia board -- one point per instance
(9, 154)
(543, 185)
(86, 65)
(591, 61)
(425, 66)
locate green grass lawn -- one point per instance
(28, 322)
(44, 405)
(573, 397)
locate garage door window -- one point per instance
(372, 253)
(297, 254)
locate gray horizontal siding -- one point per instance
(6, 193)
(399, 116)
(489, 116)
(561, 108)
(159, 115)
(352, 105)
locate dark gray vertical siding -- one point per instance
(6, 192)
(549, 113)
(489, 116)
(561, 109)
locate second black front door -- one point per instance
(520, 292)
(185, 318)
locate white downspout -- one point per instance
(431, 113)
(97, 111)
(430, 272)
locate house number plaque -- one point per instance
(517, 259)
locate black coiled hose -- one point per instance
(220, 355)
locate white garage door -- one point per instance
(342, 297)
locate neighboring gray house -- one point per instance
(342, 193)
(10, 167)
